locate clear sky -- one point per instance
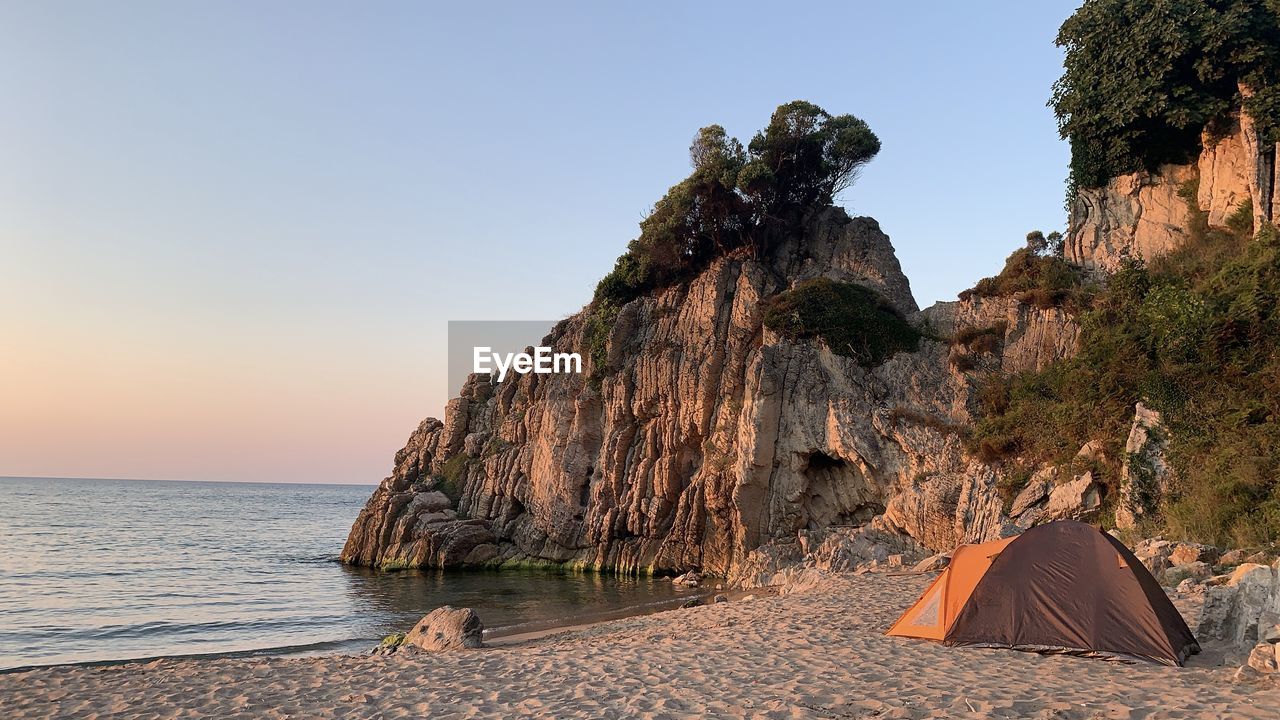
(232, 233)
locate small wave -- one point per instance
(268, 651)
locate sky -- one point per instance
(232, 233)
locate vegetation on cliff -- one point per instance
(850, 319)
(1142, 79)
(1192, 335)
(736, 197)
(1036, 275)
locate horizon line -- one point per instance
(186, 480)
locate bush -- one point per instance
(981, 340)
(1043, 281)
(1193, 336)
(850, 319)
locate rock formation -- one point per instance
(1244, 610)
(710, 435)
(1145, 474)
(704, 438)
(1145, 215)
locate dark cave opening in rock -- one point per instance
(837, 493)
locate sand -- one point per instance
(816, 654)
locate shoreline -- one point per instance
(819, 652)
(495, 637)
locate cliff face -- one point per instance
(1144, 215)
(712, 435)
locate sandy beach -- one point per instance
(813, 654)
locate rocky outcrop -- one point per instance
(1147, 214)
(1145, 474)
(1244, 611)
(709, 435)
(1139, 215)
(1030, 338)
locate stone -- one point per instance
(691, 579)
(1094, 451)
(1145, 475)
(1189, 586)
(720, 599)
(1079, 499)
(1154, 554)
(748, 597)
(1196, 571)
(1186, 553)
(1263, 658)
(1245, 674)
(933, 563)
(389, 645)
(1240, 610)
(1261, 557)
(447, 628)
(845, 549)
(1233, 557)
(1271, 634)
(1036, 492)
(691, 603)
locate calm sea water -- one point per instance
(99, 570)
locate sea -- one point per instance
(99, 571)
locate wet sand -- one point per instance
(820, 653)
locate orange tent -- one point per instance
(938, 607)
(1059, 587)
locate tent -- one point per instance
(1059, 587)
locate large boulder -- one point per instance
(447, 628)
(1243, 609)
(1186, 553)
(1079, 499)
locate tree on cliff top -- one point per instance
(1143, 78)
(738, 197)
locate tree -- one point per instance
(736, 197)
(1143, 78)
(805, 157)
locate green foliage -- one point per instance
(850, 319)
(599, 323)
(1041, 280)
(393, 640)
(734, 198)
(452, 475)
(981, 339)
(1192, 336)
(738, 197)
(1143, 78)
